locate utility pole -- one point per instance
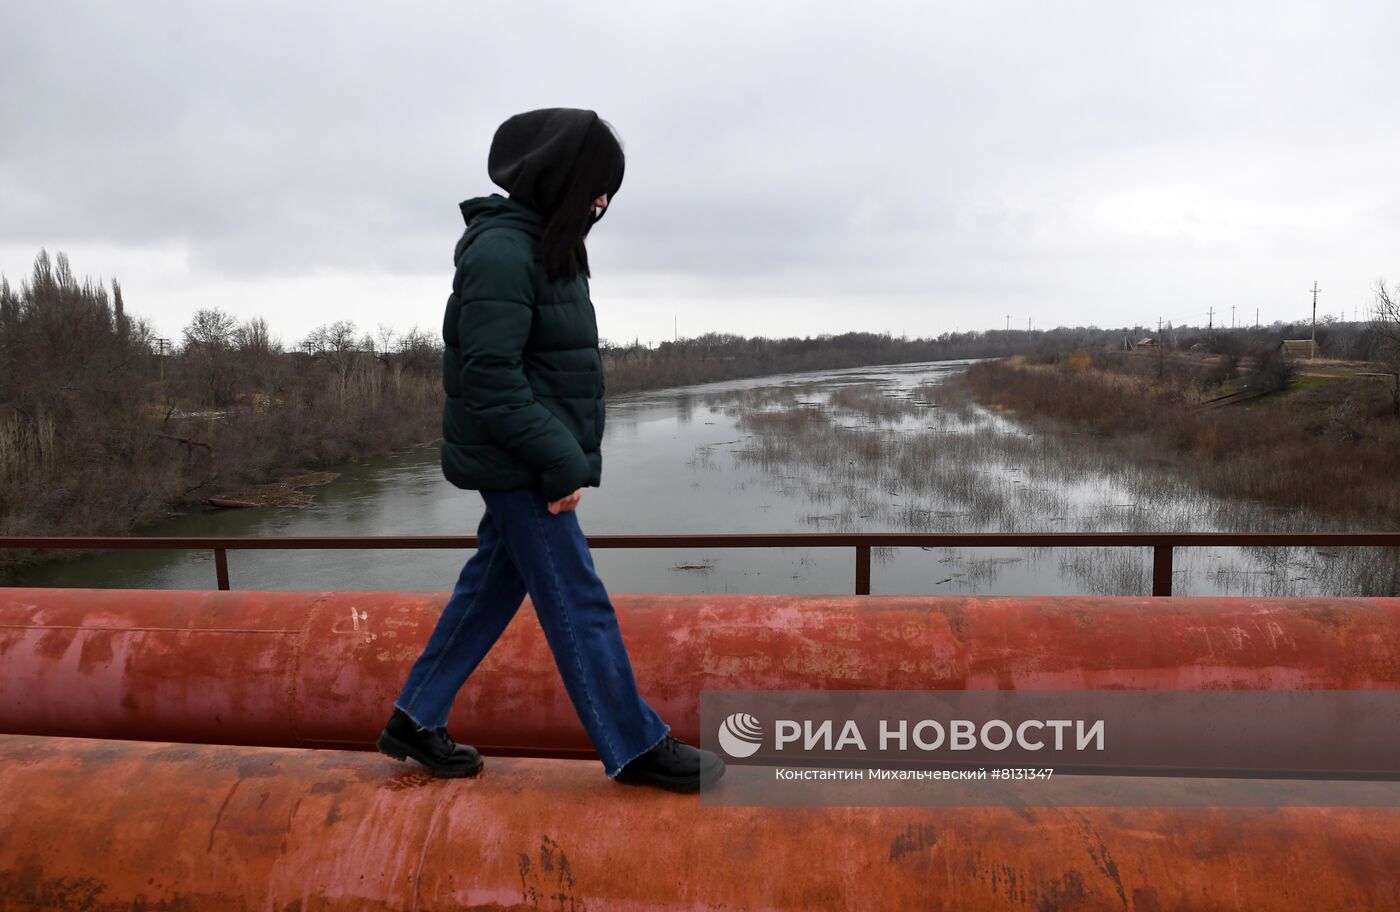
(1210, 318)
(1161, 351)
(162, 349)
(1008, 322)
(1313, 353)
(1256, 318)
(1232, 316)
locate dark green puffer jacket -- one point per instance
(521, 368)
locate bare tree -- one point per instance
(253, 336)
(422, 352)
(386, 343)
(211, 328)
(336, 344)
(119, 310)
(208, 355)
(1385, 328)
(330, 339)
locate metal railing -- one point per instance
(1161, 543)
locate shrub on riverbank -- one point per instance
(100, 434)
(1329, 447)
(714, 357)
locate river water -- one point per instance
(897, 448)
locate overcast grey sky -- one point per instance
(793, 168)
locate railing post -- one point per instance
(1161, 569)
(862, 569)
(221, 567)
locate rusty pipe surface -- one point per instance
(323, 668)
(107, 825)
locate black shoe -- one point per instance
(402, 738)
(673, 765)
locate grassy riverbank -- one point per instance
(1325, 440)
(938, 457)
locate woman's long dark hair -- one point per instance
(597, 170)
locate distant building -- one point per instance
(1148, 343)
(1298, 348)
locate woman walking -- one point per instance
(523, 425)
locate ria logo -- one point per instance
(740, 735)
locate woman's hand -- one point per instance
(566, 503)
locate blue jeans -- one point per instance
(522, 547)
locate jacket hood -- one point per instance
(483, 212)
(532, 154)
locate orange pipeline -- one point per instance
(321, 669)
(225, 828)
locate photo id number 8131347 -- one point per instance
(1022, 772)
